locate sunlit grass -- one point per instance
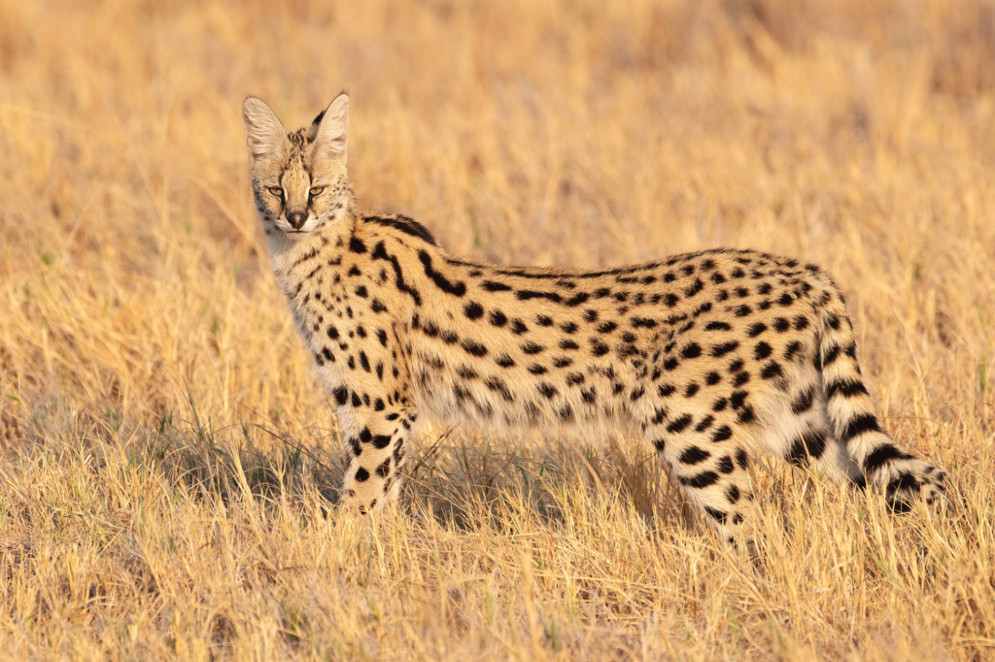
(168, 465)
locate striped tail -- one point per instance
(854, 422)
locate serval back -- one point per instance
(706, 354)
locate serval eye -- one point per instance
(276, 190)
(316, 190)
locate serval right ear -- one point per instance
(330, 128)
(264, 134)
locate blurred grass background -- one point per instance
(165, 455)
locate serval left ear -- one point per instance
(333, 124)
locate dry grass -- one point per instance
(166, 460)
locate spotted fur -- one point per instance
(701, 353)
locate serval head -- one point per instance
(299, 178)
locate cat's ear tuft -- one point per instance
(332, 126)
(264, 134)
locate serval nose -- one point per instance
(296, 219)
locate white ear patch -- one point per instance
(263, 131)
(330, 142)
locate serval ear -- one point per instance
(264, 134)
(332, 126)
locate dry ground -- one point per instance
(168, 466)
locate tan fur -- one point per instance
(700, 352)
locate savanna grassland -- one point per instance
(168, 465)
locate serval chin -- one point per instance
(707, 354)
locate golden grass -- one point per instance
(167, 463)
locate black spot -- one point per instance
(803, 402)
(466, 372)
(679, 424)
(562, 361)
(341, 395)
(569, 327)
(793, 348)
(700, 481)
(537, 369)
(544, 320)
(599, 349)
(813, 444)
(742, 459)
(381, 441)
(724, 348)
(518, 327)
(547, 390)
(590, 316)
(717, 326)
(474, 348)
(741, 378)
(694, 288)
(492, 286)
(505, 361)
(384, 469)
(532, 348)
(643, 322)
(497, 318)
(691, 389)
(691, 351)
(333, 333)
(786, 299)
(771, 370)
(732, 494)
(607, 327)
(575, 378)
(718, 515)
(723, 433)
(800, 322)
(704, 424)
(781, 324)
(670, 364)
(712, 378)
(665, 390)
(756, 329)
(577, 299)
(362, 475)
(377, 306)
(473, 310)
(566, 343)
(745, 415)
(725, 465)
(693, 455)
(356, 245)
(742, 311)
